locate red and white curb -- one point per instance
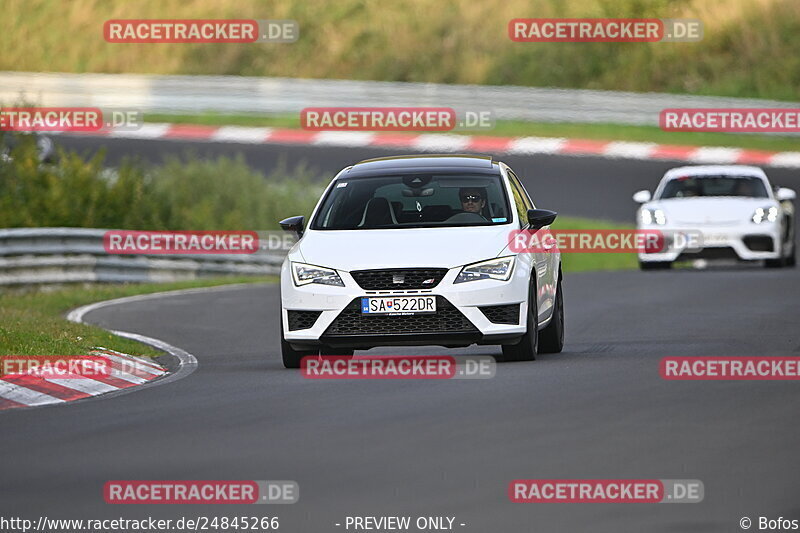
(443, 142)
(31, 391)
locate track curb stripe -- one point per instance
(45, 387)
(9, 404)
(126, 371)
(25, 396)
(446, 142)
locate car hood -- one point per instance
(402, 248)
(720, 210)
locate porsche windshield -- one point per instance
(413, 201)
(692, 186)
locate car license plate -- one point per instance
(398, 305)
(715, 239)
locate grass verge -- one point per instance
(32, 320)
(511, 128)
(583, 262)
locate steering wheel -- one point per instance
(466, 216)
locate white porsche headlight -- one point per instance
(765, 214)
(304, 274)
(652, 216)
(499, 269)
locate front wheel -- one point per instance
(787, 261)
(526, 349)
(551, 338)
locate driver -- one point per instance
(472, 200)
(743, 188)
(690, 190)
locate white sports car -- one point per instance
(414, 250)
(715, 212)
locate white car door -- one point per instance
(546, 264)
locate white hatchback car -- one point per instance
(716, 212)
(414, 251)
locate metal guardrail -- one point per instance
(70, 255)
(238, 94)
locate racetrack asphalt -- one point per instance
(444, 448)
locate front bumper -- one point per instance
(459, 321)
(744, 242)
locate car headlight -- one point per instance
(499, 269)
(765, 214)
(652, 216)
(304, 274)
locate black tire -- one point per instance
(655, 265)
(291, 357)
(525, 349)
(775, 263)
(789, 261)
(781, 261)
(551, 338)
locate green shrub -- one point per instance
(186, 193)
(225, 193)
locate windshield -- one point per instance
(413, 201)
(693, 186)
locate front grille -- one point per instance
(502, 314)
(759, 243)
(446, 319)
(302, 319)
(398, 278)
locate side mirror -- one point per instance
(539, 218)
(294, 224)
(642, 197)
(783, 194)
